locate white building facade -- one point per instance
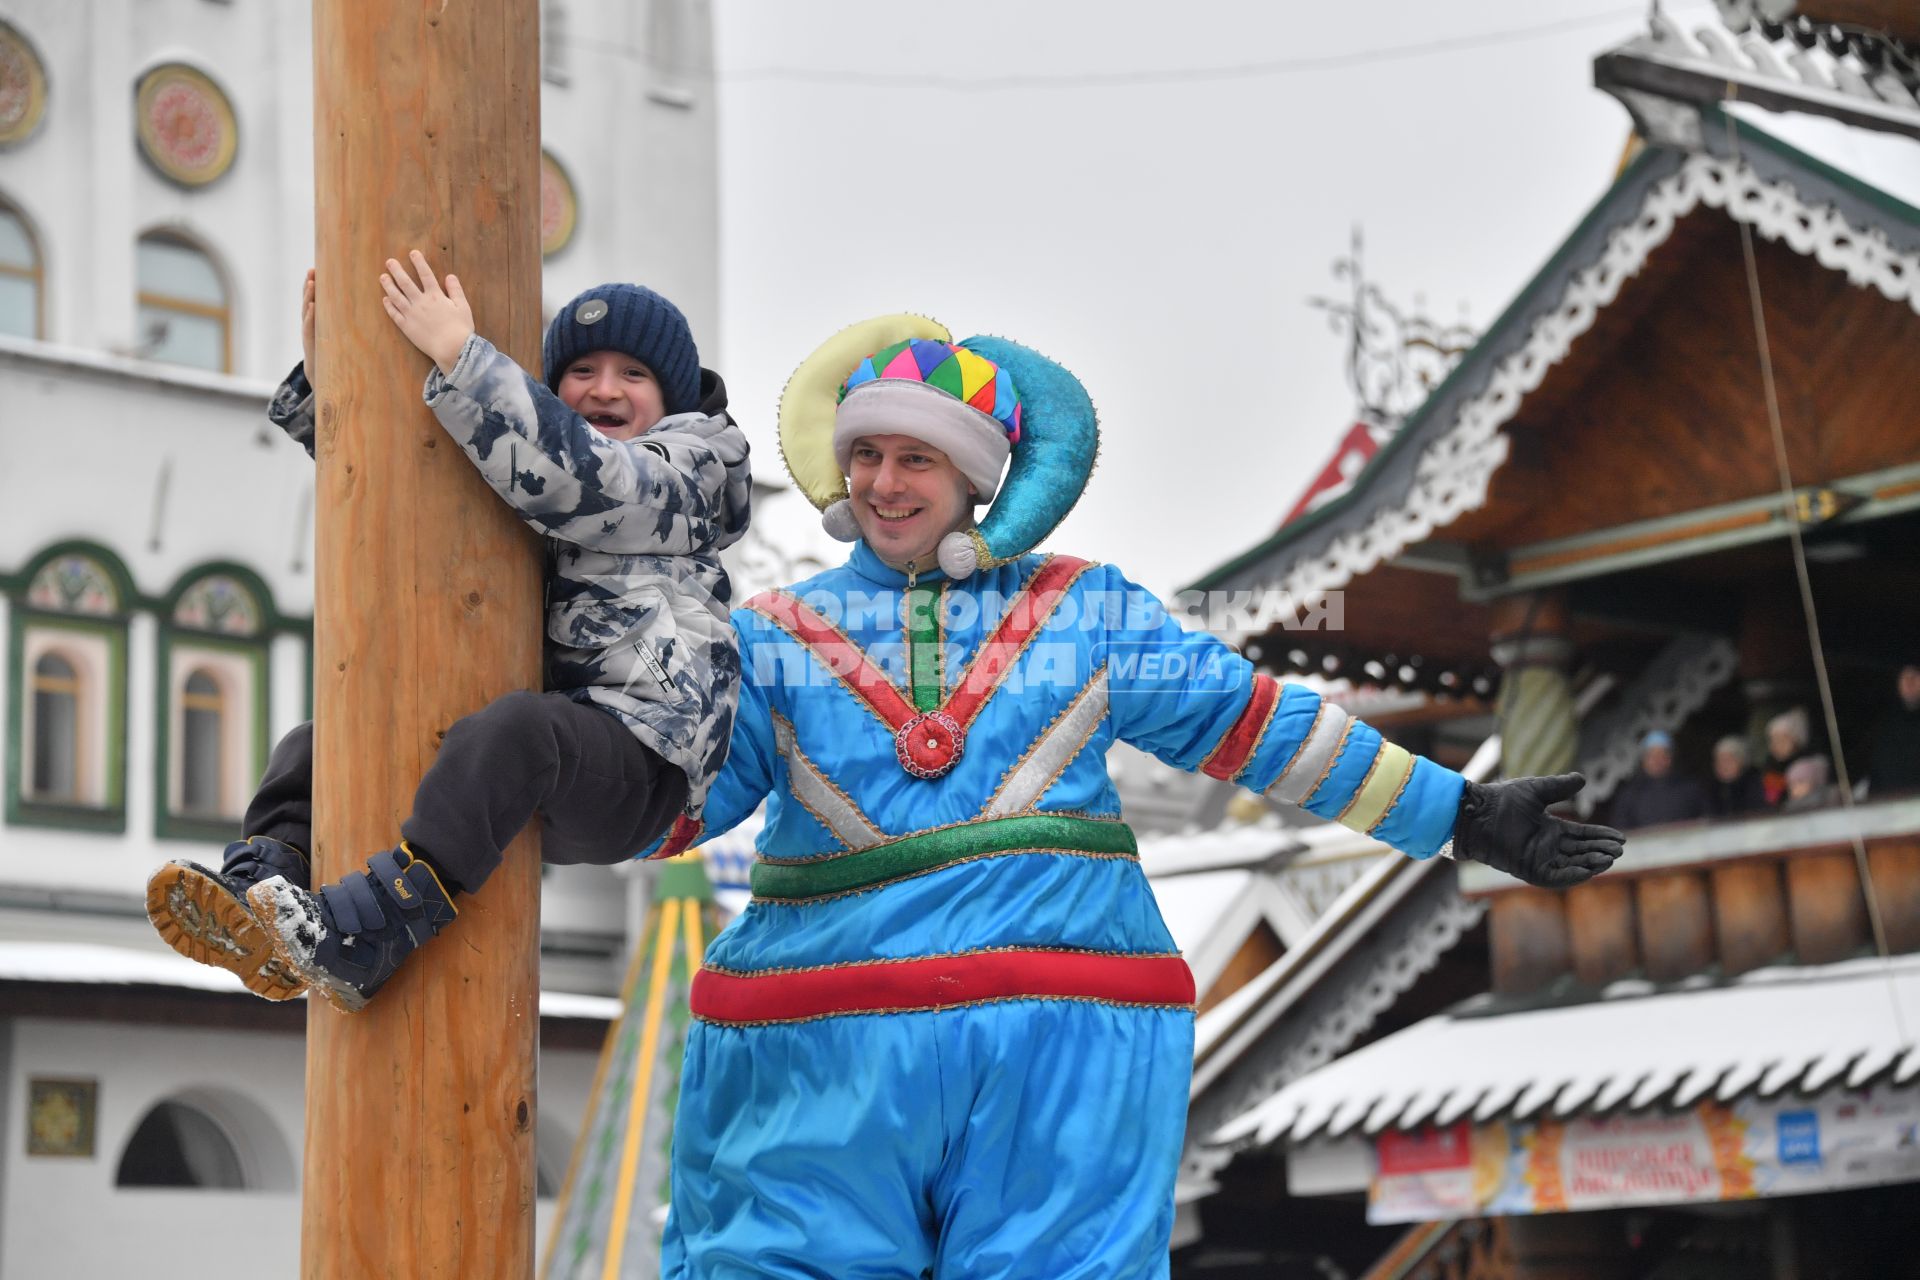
(156, 584)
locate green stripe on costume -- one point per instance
(913, 855)
(923, 647)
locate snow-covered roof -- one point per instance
(1884, 160)
(1194, 906)
(1248, 1012)
(103, 964)
(1819, 68)
(1236, 845)
(1635, 1047)
(1212, 914)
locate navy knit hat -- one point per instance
(633, 319)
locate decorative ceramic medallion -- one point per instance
(187, 129)
(558, 209)
(60, 1116)
(23, 87)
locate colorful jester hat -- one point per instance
(978, 401)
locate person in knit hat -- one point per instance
(1658, 794)
(624, 458)
(1736, 789)
(1789, 739)
(952, 1035)
(611, 321)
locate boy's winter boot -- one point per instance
(346, 940)
(204, 914)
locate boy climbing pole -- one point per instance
(625, 460)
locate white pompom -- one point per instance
(839, 522)
(958, 556)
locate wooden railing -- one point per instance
(1722, 897)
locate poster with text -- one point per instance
(1775, 1147)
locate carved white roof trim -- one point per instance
(1454, 470)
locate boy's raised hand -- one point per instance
(438, 322)
(306, 325)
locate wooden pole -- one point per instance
(420, 1110)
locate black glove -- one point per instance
(1506, 825)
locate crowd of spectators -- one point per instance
(1792, 777)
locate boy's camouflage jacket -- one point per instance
(637, 601)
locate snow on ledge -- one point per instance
(1805, 1027)
(100, 964)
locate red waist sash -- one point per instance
(940, 982)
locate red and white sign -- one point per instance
(1707, 1153)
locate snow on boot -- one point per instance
(346, 940)
(204, 914)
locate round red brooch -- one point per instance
(929, 744)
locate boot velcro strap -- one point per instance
(263, 856)
(354, 905)
(423, 907)
(246, 865)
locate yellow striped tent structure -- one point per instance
(607, 1223)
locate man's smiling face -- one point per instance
(614, 392)
(906, 497)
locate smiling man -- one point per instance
(951, 1035)
(906, 495)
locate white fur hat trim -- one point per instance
(973, 441)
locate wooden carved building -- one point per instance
(1674, 487)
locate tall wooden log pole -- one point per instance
(420, 1110)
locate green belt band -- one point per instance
(790, 879)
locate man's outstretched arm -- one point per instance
(1211, 711)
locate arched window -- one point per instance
(56, 729)
(66, 738)
(21, 283)
(203, 710)
(176, 1145)
(214, 643)
(184, 315)
(218, 604)
(74, 583)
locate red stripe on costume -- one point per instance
(840, 656)
(852, 667)
(1025, 616)
(1230, 757)
(680, 838)
(939, 982)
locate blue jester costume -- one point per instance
(951, 1035)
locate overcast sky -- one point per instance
(1149, 193)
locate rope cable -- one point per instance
(1863, 864)
(847, 77)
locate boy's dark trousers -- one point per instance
(603, 794)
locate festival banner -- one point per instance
(1708, 1152)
